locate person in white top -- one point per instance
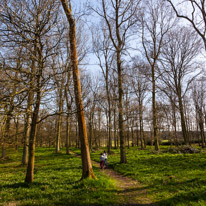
(105, 158)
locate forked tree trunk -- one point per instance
(87, 170)
(32, 137)
(27, 127)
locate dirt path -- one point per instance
(130, 191)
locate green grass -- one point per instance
(56, 182)
(170, 179)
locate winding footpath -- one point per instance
(130, 191)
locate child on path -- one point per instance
(101, 161)
(105, 158)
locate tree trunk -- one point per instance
(137, 133)
(141, 124)
(6, 134)
(121, 124)
(59, 122)
(183, 123)
(27, 128)
(154, 110)
(67, 134)
(32, 138)
(109, 109)
(115, 132)
(132, 131)
(201, 126)
(90, 131)
(87, 170)
(17, 133)
(58, 135)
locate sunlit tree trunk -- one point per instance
(59, 121)
(32, 138)
(87, 170)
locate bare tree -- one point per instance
(156, 22)
(119, 18)
(102, 49)
(140, 89)
(178, 67)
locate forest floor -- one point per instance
(129, 191)
(148, 178)
(168, 177)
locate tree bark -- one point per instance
(109, 108)
(154, 110)
(87, 171)
(183, 123)
(121, 125)
(67, 134)
(17, 133)
(59, 127)
(32, 138)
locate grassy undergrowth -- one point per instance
(170, 179)
(56, 182)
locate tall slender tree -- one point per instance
(155, 22)
(119, 18)
(87, 170)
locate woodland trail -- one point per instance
(130, 191)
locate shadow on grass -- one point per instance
(35, 184)
(24, 185)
